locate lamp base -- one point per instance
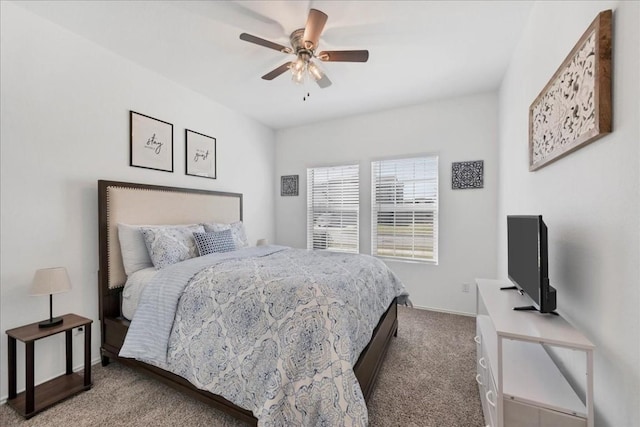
(50, 322)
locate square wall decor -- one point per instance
(289, 185)
(467, 175)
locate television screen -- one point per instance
(527, 259)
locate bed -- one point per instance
(130, 203)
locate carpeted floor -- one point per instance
(427, 380)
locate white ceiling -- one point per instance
(419, 50)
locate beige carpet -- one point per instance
(427, 380)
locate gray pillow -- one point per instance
(169, 245)
(237, 231)
(216, 241)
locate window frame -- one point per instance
(432, 180)
(350, 195)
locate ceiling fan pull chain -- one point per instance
(304, 88)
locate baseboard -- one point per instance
(442, 310)
(80, 367)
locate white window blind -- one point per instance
(333, 208)
(404, 208)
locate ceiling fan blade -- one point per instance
(275, 73)
(324, 82)
(266, 43)
(314, 27)
(344, 55)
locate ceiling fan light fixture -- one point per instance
(298, 65)
(314, 71)
(298, 76)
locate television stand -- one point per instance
(531, 308)
(508, 288)
(519, 383)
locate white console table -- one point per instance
(519, 383)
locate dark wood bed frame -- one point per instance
(113, 326)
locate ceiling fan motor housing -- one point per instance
(299, 45)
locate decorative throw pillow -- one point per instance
(172, 244)
(215, 241)
(237, 231)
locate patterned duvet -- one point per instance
(277, 333)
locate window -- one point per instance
(404, 208)
(333, 208)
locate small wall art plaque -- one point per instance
(289, 185)
(466, 175)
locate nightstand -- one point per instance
(36, 399)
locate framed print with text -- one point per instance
(151, 143)
(200, 155)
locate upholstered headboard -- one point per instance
(140, 204)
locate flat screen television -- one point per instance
(528, 261)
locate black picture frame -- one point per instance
(200, 155)
(150, 143)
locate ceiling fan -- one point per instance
(304, 42)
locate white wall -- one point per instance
(456, 129)
(589, 199)
(64, 125)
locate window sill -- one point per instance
(406, 260)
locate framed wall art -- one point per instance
(466, 175)
(574, 108)
(151, 143)
(289, 185)
(200, 155)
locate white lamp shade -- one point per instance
(50, 281)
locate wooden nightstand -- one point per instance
(36, 399)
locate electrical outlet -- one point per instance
(80, 330)
(465, 288)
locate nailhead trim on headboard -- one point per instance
(172, 206)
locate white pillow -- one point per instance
(134, 251)
(135, 255)
(237, 231)
(133, 289)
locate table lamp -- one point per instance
(50, 281)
